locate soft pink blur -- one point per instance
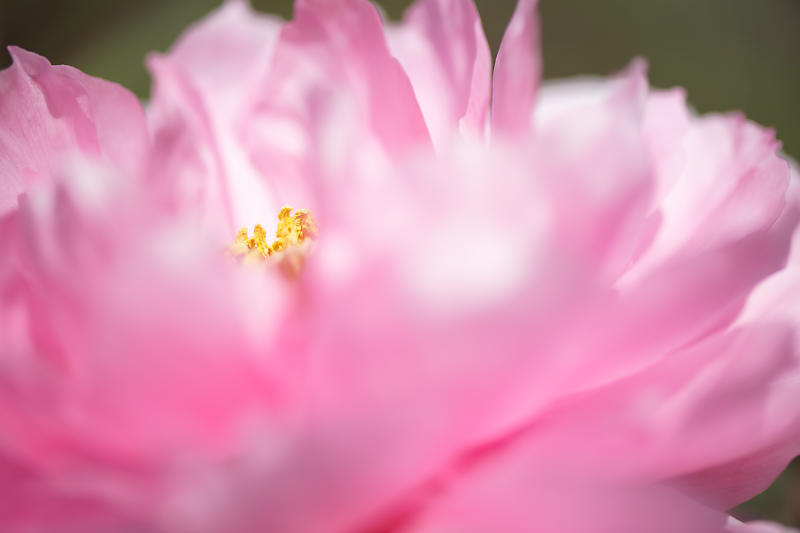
(562, 308)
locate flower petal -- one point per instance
(594, 161)
(516, 493)
(734, 526)
(346, 39)
(777, 299)
(517, 72)
(117, 329)
(691, 413)
(732, 184)
(223, 55)
(195, 113)
(333, 92)
(443, 49)
(698, 290)
(50, 112)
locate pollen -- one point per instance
(293, 238)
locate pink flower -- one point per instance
(572, 308)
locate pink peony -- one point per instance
(498, 307)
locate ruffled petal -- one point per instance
(731, 184)
(686, 417)
(593, 159)
(442, 47)
(677, 293)
(346, 40)
(201, 91)
(777, 299)
(48, 113)
(126, 312)
(223, 55)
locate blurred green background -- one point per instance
(729, 54)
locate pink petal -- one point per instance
(667, 122)
(671, 298)
(734, 526)
(517, 72)
(188, 169)
(442, 47)
(703, 292)
(346, 39)
(195, 110)
(119, 328)
(333, 90)
(693, 411)
(777, 299)
(48, 113)
(732, 183)
(515, 493)
(223, 54)
(594, 160)
(726, 485)
(694, 408)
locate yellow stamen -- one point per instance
(292, 239)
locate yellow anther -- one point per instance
(289, 247)
(293, 229)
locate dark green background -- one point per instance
(729, 54)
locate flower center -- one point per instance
(293, 239)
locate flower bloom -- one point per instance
(495, 307)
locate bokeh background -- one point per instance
(729, 54)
